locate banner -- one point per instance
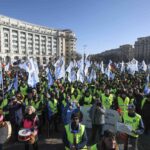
(86, 119)
(111, 119)
(121, 127)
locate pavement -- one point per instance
(54, 142)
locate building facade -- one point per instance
(142, 49)
(124, 52)
(19, 40)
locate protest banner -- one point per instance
(123, 128)
(86, 119)
(111, 119)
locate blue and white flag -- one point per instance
(86, 70)
(33, 77)
(49, 77)
(16, 82)
(80, 72)
(10, 87)
(6, 68)
(122, 67)
(92, 76)
(60, 68)
(147, 79)
(102, 67)
(71, 72)
(132, 66)
(144, 66)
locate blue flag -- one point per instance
(16, 82)
(49, 77)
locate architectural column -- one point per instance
(27, 52)
(19, 44)
(2, 42)
(34, 52)
(10, 46)
(40, 49)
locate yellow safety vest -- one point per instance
(77, 136)
(107, 101)
(133, 122)
(3, 104)
(75, 98)
(93, 147)
(88, 100)
(53, 106)
(143, 102)
(23, 90)
(123, 104)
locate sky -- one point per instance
(99, 25)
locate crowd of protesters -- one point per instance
(54, 104)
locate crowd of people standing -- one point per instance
(33, 107)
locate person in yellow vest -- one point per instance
(123, 102)
(75, 137)
(52, 110)
(87, 99)
(23, 88)
(107, 99)
(134, 120)
(108, 142)
(4, 106)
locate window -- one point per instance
(6, 45)
(5, 34)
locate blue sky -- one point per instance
(98, 24)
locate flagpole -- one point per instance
(84, 55)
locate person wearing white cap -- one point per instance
(134, 120)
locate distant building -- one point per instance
(19, 39)
(124, 52)
(142, 49)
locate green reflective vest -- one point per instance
(88, 100)
(107, 101)
(93, 147)
(123, 104)
(75, 98)
(53, 106)
(4, 104)
(77, 136)
(143, 102)
(132, 121)
(23, 90)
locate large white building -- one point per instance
(19, 39)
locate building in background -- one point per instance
(142, 49)
(19, 39)
(124, 52)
